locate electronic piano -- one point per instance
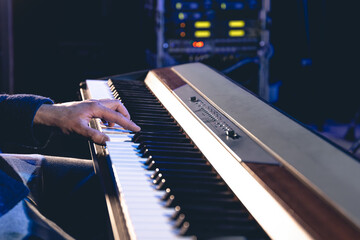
(213, 161)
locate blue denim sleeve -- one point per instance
(17, 113)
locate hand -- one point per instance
(74, 117)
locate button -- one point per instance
(231, 133)
(193, 99)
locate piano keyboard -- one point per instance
(182, 176)
(169, 188)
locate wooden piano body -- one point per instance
(294, 183)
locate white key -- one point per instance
(149, 218)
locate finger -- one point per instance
(116, 105)
(94, 135)
(115, 117)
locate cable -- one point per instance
(239, 64)
(268, 52)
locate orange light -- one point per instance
(182, 25)
(199, 44)
(182, 34)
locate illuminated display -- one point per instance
(202, 34)
(195, 30)
(236, 33)
(236, 23)
(202, 24)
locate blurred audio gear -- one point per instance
(220, 33)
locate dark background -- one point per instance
(329, 87)
(58, 44)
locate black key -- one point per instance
(169, 144)
(159, 127)
(213, 230)
(174, 201)
(158, 121)
(179, 139)
(132, 97)
(182, 171)
(174, 165)
(172, 159)
(153, 118)
(196, 193)
(143, 147)
(214, 219)
(207, 210)
(208, 179)
(165, 144)
(149, 114)
(158, 134)
(219, 186)
(150, 111)
(143, 103)
(172, 153)
(143, 107)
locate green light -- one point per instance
(223, 6)
(178, 5)
(181, 16)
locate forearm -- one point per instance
(17, 115)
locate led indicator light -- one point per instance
(202, 34)
(198, 44)
(182, 25)
(178, 6)
(181, 16)
(202, 24)
(236, 23)
(223, 6)
(236, 33)
(182, 34)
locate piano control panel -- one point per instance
(212, 117)
(225, 130)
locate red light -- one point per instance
(199, 44)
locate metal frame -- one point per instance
(7, 47)
(264, 52)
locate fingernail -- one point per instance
(137, 128)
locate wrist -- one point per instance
(43, 115)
